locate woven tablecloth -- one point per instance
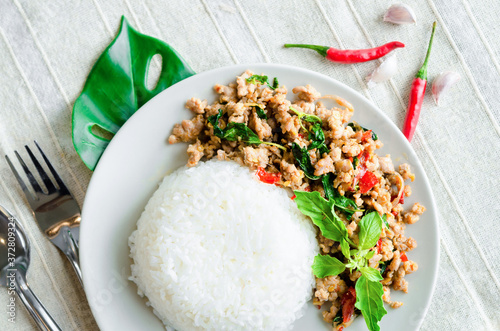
(47, 49)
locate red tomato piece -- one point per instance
(379, 245)
(403, 257)
(366, 135)
(368, 181)
(348, 300)
(267, 177)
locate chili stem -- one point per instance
(320, 49)
(422, 73)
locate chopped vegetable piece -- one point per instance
(348, 300)
(403, 257)
(302, 157)
(264, 80)
(366, 135)
(267, 177)
(379, 245)
(368, 181)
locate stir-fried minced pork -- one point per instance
(279, 127)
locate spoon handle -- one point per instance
(41, 316)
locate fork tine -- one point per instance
(30, 176)
(27, 193)
(46, 180)
(52, 170)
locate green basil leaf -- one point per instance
(276, 84)
(369, 301)
(260, 113)
(264, 80)
(384, 218)
(302, 157)
(355, 162)
(319, 210)
(383, 266)
(235, 131)
(326, 265)
(338, 318)
(116, 88)
(306, 117)
(317, 137)
(371, 274)
(214, 120)
(257, 78)
(345, 248)
(346, 205)
(369, 255)
(370, 228)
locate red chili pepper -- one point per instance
(268, 177)
(403, 257)
(395, 213)
(351, 55)
(379, 245)
(368, 181)
(417, 94)
(293, 197)
(348, 300)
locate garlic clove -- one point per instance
(400, 13)
(442, 83)
(384, 71)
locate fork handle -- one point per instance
(72, 253)
(36, 309)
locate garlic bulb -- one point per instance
(442, 83)
(384, 71)
(400, 13)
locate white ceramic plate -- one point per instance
(139, 156)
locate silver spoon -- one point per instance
(14, 263)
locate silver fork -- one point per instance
(55, 209)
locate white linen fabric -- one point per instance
(47, 48)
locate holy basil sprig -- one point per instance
(264, 80)
(369, 290)
(237, 131)
(301, 155)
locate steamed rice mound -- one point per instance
(215, 249)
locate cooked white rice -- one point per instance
(215, 249)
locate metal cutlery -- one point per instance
(14, 263)
(56, 211)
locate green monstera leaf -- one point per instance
(116, 88)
